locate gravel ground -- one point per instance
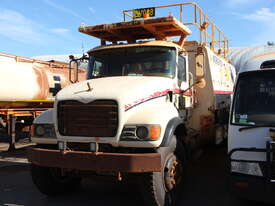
(204, 185)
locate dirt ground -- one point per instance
(204, 185)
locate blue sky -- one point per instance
(40, 27)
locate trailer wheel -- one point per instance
(162, 188)
(51, 182)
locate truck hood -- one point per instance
(128, 91)
(251, 138)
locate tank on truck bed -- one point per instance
(150, 100)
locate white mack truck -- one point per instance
(251, 135)
(149, 101)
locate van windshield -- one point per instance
(133, 61)
(254, 100)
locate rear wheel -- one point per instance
(162, 188)
(51, 181)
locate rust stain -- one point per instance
(44, 72)
(207, 128)
(117, 162)
(42, 82)
(206, 121)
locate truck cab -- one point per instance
(126, 84)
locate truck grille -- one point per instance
(95, 119)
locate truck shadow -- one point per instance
(204, 185)
(206, 182)
(100, 194)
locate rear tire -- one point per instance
(162, 188)
(49, 181)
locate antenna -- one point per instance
(82, 47)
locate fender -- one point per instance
(45, 117)
(170, 129)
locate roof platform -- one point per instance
(143, 24)
(148, 28)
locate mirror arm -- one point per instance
(192, 85)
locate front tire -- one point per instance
(161, 188)
(51, 182)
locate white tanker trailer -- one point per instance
(28, 87)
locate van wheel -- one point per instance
(162, 188)
(51, 182)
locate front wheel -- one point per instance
(51, 181)
(161, 188)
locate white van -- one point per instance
(251, 134)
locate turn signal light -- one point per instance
(241, 184)
(155, 132)
(32, 130)
(272, 134)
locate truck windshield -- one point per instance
(133, 61)
(254, 101)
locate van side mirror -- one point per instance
(199, 63)
(199, 66)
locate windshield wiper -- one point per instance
(255, 126)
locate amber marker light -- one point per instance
(32, 130)
(272, 134)
(242, 185)
(155, 132)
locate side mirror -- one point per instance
(71, 68)
(199, 66)
(199, 72)
(75, 62)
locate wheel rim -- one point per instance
(172, 172)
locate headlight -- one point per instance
(40, 130)
(43, 130)
(141, 132)
(249, 168)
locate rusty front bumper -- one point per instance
(90, 161)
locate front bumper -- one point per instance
(40, 140)
(258, 188)
(252, 188)
(96, 161)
